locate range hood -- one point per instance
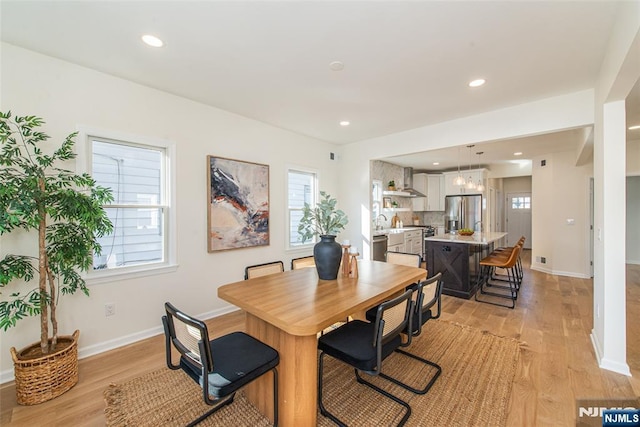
(408, 184)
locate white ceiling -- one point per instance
(406, 64)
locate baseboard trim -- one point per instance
(559, 273)
(92, 350)
(603, 363)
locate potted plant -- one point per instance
(391, 185)
(63, 211)
(326, 221)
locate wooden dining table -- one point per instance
(287, 310)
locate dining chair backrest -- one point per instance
(392, 318)
(303, 262)
(402, 258)
(259, 270)
(429, 293)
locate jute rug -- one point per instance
(474, 389)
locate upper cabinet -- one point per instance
(420, 184)
(435, 192)
(433, 186)
(477, 175)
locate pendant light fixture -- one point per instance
(459, 180)
(470, 185)
(480, 187)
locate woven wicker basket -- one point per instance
(47, 377)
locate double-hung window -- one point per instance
(138, 176)
(301, 189)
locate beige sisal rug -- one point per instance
(474, 389)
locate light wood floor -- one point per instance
(553, 316)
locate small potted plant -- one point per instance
(326, 221)
(63, 212)
(391, 185)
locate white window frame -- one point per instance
(84, 164)
(316, 195)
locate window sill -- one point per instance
(301, 248)
(95, 278)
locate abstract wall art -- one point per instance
(238, 204)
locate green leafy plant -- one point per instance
(61, 209)
(323, 219)
(391, 183)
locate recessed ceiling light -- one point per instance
(336, 66)
(634, 127)
(477, 82)
(436, 163)
(345, 123)
(152, 40)
(518, 153)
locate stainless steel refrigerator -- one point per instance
(464, 211)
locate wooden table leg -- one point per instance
(297, 375)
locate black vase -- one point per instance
(328, 254)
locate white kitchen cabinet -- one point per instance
(413, 242)
(420, 184)
(431, 185)
(395, 248)
(435, 192)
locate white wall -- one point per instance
(520, 184)
(619, 71)
(67, 95)
(561, 192)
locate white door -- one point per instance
(519, 218)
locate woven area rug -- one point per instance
(478, 369)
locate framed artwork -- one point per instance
(386, 202)
(237, 203)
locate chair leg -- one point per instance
(212, 411)
(323, 410)
(408, 387)
(389, 395)
(335, 419)
(275, 397)
(483, 282)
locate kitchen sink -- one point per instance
(396, 238)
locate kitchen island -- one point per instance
(458, 258)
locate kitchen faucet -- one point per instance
(378, 226)
(476, 223)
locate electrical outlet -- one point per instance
(543, 260)
(109, 309)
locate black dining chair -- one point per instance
(427, 295)
(220, 366)
(364, 345)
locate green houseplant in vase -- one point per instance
(326, 221)
(63, 212)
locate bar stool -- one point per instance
(519, 271)
(487, 267)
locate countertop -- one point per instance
(394, 230)
(477, 238)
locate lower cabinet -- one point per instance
(395, 248)
(413, 242)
